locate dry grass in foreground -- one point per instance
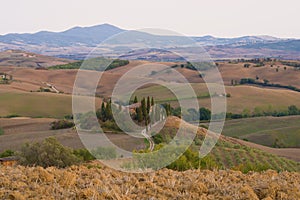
(95, 182)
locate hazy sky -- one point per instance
(222, 18)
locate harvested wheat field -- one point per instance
(96, 182)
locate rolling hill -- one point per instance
(268, 131)
(17, 58)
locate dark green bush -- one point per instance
(83, 154)
(12, 116)
(62, 124)
(7, 153)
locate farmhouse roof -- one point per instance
(135, 105)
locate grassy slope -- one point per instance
(231, 155)
(39, 104)
(35, 104)
(265, 130)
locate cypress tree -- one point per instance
(103, 110)
(148, 105)
(108, 111)
(135, 100)
(168, 109)
(157, 113)
(139, 115)
(120, 107)
(143, 107)
(152, 101)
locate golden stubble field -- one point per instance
(94, 181)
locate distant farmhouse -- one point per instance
(132, 107)
(5, 78)
(2, 76)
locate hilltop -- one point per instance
(18, 58)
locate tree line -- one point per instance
(267, 83)
(204, 114)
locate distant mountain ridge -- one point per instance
(74, 36)
(77, 42)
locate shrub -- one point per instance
(42, 89)
(109, 126)
(47, 153)
(1, 131)
(12, 116)
(190, 160)
(158, 139)
(7, 153)
(208, 163)
(83, 154)
(105, 153)
(62, 124)
(248, 167)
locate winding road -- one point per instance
(150, 140)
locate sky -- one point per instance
(220, 18)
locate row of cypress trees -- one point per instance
(142, 113)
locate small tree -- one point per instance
(205, 114)
(293, 110)
(266, 82)
(108, 111)
(246, 65)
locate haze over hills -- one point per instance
(17, 58)
(77, 42)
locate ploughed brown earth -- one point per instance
(93, 181)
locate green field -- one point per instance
(35, 104)
(268, 131)
(241, 97)
(97, 64)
